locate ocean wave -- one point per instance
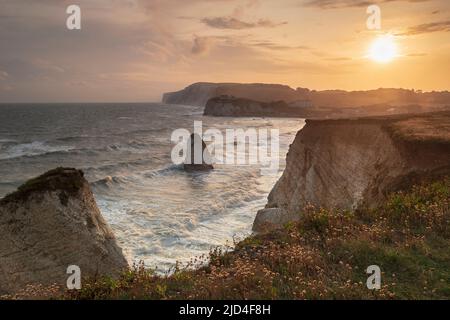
(4, 143)
(164, 171)
(79, 138)
(132, 146)
(141, 131)
(111, 167)
(193, 113)
(111, 181)
(107, 182)
(35, 148)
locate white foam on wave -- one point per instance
(34, 148)
(165, 215)
(169, 215)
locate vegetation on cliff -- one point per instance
(68, 181)
(323, 256)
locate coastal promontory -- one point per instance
(350, 164)
(50, 223)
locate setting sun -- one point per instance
(383, 49)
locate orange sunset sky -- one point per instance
(134, 50)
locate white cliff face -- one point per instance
(194, 95)
(238, 107)
(347, 164)
(198, 94)
(371, 102)
(51, 224)
(227, 106)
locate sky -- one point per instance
(134, 50)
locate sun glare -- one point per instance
(383, 49)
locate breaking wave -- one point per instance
(36, 148)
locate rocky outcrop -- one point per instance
(197, 157)
(349, 164)
(49, 223)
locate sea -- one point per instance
(160, 214)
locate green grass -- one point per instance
(323, 256)
(66, 181)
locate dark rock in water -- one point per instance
(197, 157)
(49, 223)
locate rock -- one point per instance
(349, 164)
(197, 147)
(272, 218)
(49, 223)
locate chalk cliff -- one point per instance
(240, 107)
(198, 94)
(49, 223)
(321, 104)
(353, 163)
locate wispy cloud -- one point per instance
(441, 26)
(3, 75)
(339, 59)
(237, 24)
(202, 45)
(332, 4)
(413, 55)
(275, 46)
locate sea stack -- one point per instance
(50, 223)
(197, 156)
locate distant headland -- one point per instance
(257, 99)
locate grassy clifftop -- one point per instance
(421, 127)
(66, 180)
(431, 127)
(324, 256)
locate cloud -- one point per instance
(442, 26)
(6, 88)
(237, 24)
(135, 49)
(240, 10)
(413, 55)
(3, 75)
(202, 45)
(333, 4)
(339, 59)
(46, 65)
(275, 46)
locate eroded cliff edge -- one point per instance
(49, 223)
(353, 163)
